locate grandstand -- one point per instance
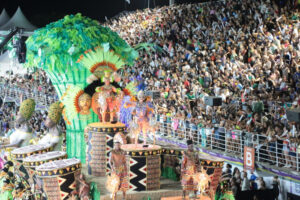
(245, 52)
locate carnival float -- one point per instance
(104, 123)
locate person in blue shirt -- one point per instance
(296, 78)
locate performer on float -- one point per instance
(54, 136)
(83, 189)
(189, 169)
(23, 134)
(7, 190)
(142, 116)
(107, 99)
(118, 181)
(3, 176)
(9, 165)
(224, 189)
(6, 181)
(203, 182)
(19, 192)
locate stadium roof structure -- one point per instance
(4, 18)
(18, 20)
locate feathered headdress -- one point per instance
(55, 112)
(100, 61)
(131, 89)
(27, 108)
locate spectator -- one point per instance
(276, 185)
(245, 182)
(235, 187)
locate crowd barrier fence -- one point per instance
(231, 141)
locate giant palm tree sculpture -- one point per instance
(63, 49)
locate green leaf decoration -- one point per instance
(77, 31)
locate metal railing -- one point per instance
(13, 94)
(232, 142)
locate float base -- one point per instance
(169, 188)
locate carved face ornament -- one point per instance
(85, 104)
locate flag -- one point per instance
(128, 1)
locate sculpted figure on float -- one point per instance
(85, 104)
(23, 133)
(54, 136)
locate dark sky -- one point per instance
(42, 12)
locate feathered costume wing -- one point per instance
(70, 102)
(112, 183)
(130, 91)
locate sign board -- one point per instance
(249, 158)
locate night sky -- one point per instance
(42, 12)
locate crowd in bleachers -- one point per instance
(246, 52)
(34, 82)
(37, 122)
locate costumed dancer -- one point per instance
(130, 92)
(189, 169)
(22, 136)
(142, 115)
(9, 165)
(224, 189)
(6, 174)
(118, 181)
(3, 176)
(203, 182)
(107, 99)
(83, 190)
(54, 136)
(104, 64)
(22, 191)
(19, 192)
(7, 190)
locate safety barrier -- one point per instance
(232, 142)
(13, 94)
